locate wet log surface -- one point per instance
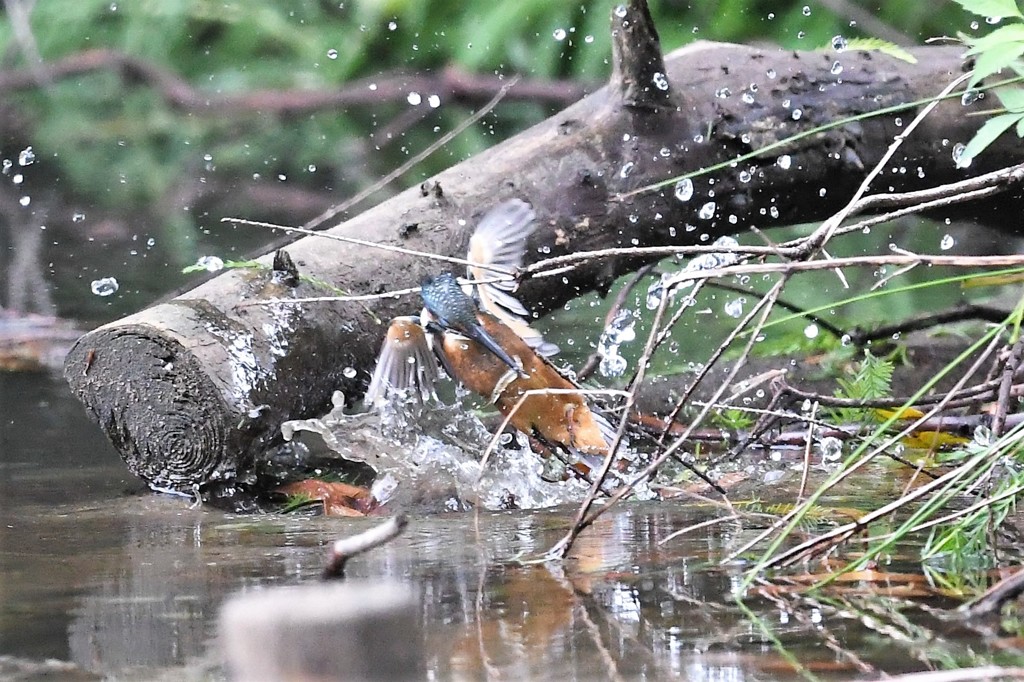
(191, 389)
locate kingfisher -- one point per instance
(477, 333)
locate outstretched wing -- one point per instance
(406, 366)
(499, 243)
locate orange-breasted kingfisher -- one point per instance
(478, 334)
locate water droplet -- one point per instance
(392, 25)
(311, 168)
(707, 211)
(734, 308)
(588, 39)
(104, 286)
(745, 176)
(839, 43)
(971, 96)
(25, 201)
(619, 331)
(27, 157)
(626, 169)
(559, 34)
(811, 331)
(836, 69)
(747, 97)
(947, 242)
(958, 156)
(654, 293)
(796, 115)
(785, 162)
(684, 189)
(434, 101)
(414, 98)
(77, 217)
(349, 372)
(210, 263)
(665, 152)
(831, 449)
(332, 54)
(659, 80)
(722, 93)
(806, 10)
(620, 11)
(18, 178)
(151, 242)
(771, 73)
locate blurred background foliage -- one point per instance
(143, 183)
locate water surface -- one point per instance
(121, 582)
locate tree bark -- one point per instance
(191, 389)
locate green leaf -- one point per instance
(986, 135)
(995, 59)
(1012, 97)
(991, 8)
(883, 46)
(1004, 34)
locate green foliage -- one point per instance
(297, 501)
(993, 53)
(733, 419)
(991, 8)
(873, 380)
(967, 542)
(883, 46)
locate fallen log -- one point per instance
(190, 390)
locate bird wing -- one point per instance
(406, 366)
(499, 242)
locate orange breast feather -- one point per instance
(559, 419)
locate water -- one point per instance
(125, 583)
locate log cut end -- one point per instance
(155, 403)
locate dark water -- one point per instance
(127, 584)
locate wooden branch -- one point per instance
(638, 67)
(191, 389)
(450, 83)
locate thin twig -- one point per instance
(502, 273)
(344, 549)
(581, 521)
(839, 534)
(1005, 384)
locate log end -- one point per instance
(165, 417)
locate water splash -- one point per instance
(621, 330)
(105, 286)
